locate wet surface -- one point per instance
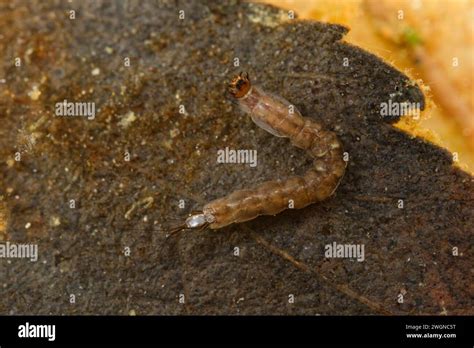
(120, 203)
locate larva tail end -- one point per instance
(174, 230)
(240, 85)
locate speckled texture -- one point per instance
(173, 157)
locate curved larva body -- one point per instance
(278, 117)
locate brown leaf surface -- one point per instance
(173, 157)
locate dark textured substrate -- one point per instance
(173, 157)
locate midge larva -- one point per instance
(280, 118)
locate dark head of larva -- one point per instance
(240, 85)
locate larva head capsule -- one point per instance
(197, 220)
(240, 85)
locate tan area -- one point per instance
(429, 40)
(3, 219)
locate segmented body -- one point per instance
(279, 117)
